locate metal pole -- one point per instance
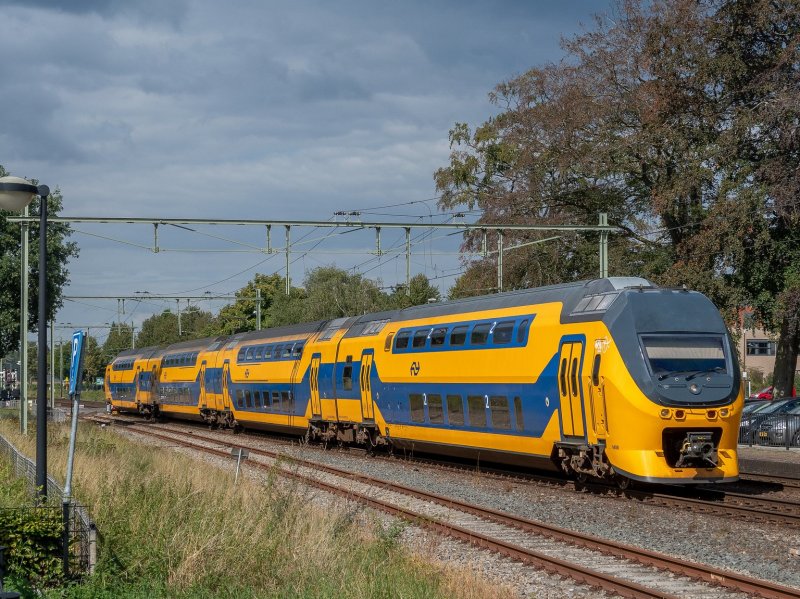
(52, 365)
(23, 331)
(499, 261)
(288, 233)
(408, 260)
(61, 367)
(41, 354)
(603, 246)
(180, 332)
(258, 309)
(133, 337)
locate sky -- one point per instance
(252, 110)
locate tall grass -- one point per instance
(174, 526)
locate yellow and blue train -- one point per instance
(612, 378)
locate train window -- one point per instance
(286, 401)
(498, 408)
(520, 425)
(248, 399)
(248, 354)
(455, 410)
(265, 398)
(574, 376)
(480, 333)
(287, 351)
(258, 353)
(401, 341)
(435, 413)
(297, 350)
(477, 410)
(276, 401)
(596, 370)
(417, 407)
(522, 330)
(276, 353)
(438, 336)
(267, 352)
(256, 399)
(347, 374)
(562, 377)
(420, 337)
(239, 398)
(502, 332)
(387, 345)
(458, 336)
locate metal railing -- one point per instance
(82, 529)
(778, 430)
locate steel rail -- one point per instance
(661, 561)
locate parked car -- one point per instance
(751, 405)
(766, 393)
(752, 421)
(776, 429)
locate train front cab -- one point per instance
(662, 390)
(121, 382)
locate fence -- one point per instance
(82, 530)
(772, 430)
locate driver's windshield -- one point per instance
(684, 353)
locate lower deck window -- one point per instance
(477, 410)
(417, 407)
(239, 398)
(435, 413)
(501, 417)
(455, 410)
(520, 425)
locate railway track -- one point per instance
(615, 567)
(714, 502)
(785, 481)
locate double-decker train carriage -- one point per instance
(611, 378)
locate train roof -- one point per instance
(569, 294)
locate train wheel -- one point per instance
(623, 482)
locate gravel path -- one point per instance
(765, 551)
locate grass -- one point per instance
(173, 526)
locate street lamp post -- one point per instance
(15, 194)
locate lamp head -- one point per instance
(16, 193)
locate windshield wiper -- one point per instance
(706, 371)
(666, 375)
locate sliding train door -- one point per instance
(570, 388)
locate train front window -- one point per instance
(670, 354)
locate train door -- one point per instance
(367, 406)
(203, 401)
(598, 399)
(570, 389)
(226, 396)
(313, 383)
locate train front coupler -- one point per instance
(698, 450)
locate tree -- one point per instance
(120, 337)
(420, 292)
(328, 292)
(59, 252)
(162, 329)
(241, 315)
(680, 119)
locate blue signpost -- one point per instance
(75, 375)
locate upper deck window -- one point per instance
(420, 337)
(401, 340)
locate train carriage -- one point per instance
(612, 378)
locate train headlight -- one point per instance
(665, 413)
(723, 413)
(694, 388)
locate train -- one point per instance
(614, 379)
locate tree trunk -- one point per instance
(786, 356)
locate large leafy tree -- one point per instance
(162, 329)
(680, 119)
(120, 337)
(241, 315)
(59, 251)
